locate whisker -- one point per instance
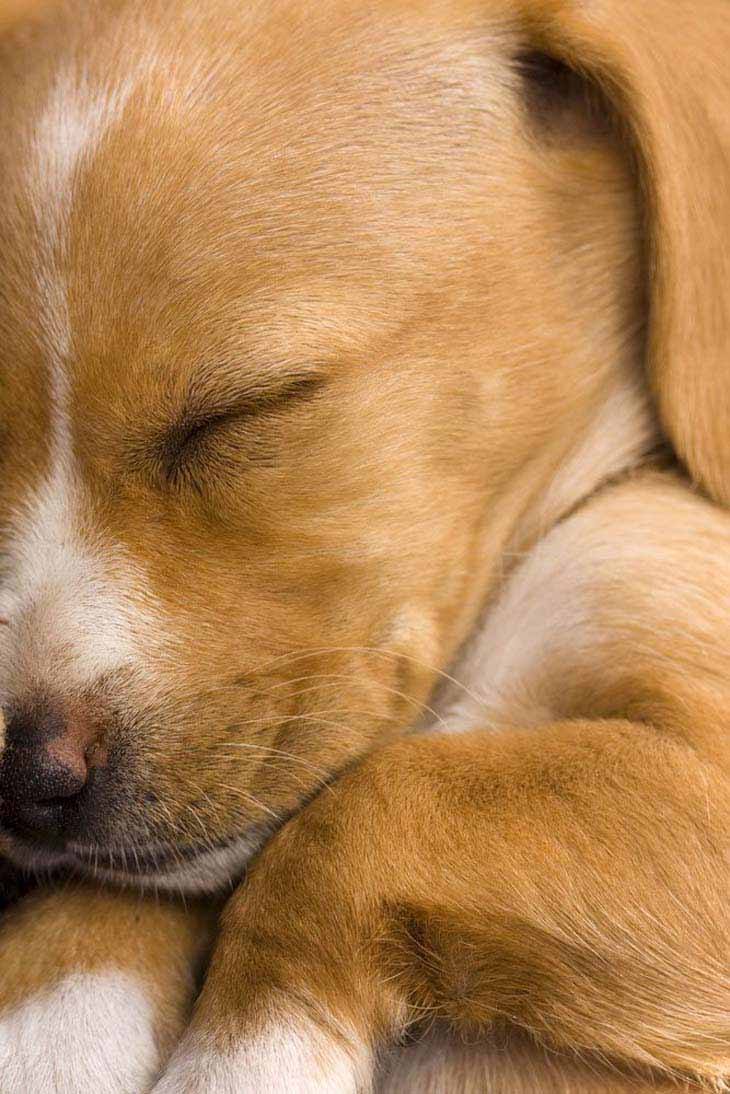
(251, 799)
(190, 809)
(375, 651)
(337, 677)
(289, 719)
(170, 820)
(320, 771)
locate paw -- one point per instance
(293, 1055)
(91, 1033)
(96, 988)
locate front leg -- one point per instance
(95, 988)
(574, 884)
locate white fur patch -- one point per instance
(208, 872)
(92, 1034)
(74, 603)
(79, 607)
(623, 429)
(293, 1056)
(68, 133)
(546, 610)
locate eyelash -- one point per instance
(186, 451)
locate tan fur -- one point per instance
(341, 539)
(278, 194)
(509, 1065)
(663, 66)
(80, 929)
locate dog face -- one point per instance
(293, 332)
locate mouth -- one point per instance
(204, 867)
(142, 861)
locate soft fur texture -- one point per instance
(364, 407)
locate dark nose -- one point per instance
(44, 769)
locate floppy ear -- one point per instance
(664, 65)
(13, 11)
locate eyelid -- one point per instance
(176, 445)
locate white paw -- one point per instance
(92, 1033)
(294, 1056)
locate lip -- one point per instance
(144, 861)
(196, 868)
(32, 857)
(125, 860)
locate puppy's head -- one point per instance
(301, 310)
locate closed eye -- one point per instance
(187, 440)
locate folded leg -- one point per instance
(95, 988)
(571, 880)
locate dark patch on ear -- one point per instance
(561, 102)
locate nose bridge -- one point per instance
(49, 720)
(64, 596)
(34, 723)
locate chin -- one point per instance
(204, 868)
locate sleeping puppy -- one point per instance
(342, 349)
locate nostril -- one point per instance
(57, 783)
(46, 769)
(38, 800)
(35, 777)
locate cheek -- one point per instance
(232, 607)
(254, 623)
(254, 723)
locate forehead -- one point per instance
(266, 179)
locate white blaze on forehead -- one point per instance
(68, 134)
(75, 600)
